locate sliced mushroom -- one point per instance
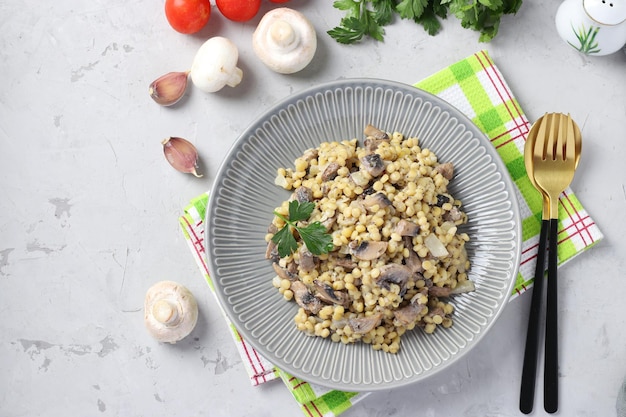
(374, 137)
(271, 252)
(366, 251)
(346, 263)
(446, 170)
(307, 261)
(374, 132)
(373, 164)
(330, 172)
(305, 298)
(436, 291)
(303, 194)
(327, 294)
(407, 228)
(437, 311)
(372, 144)
(408, 314)
(378, 199)
(394, 274)
(413, 262)
(363, 325)
(310, 154)
(284, 273)
(461, 288)
(454, 215)
(328, 222)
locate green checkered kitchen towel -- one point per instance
(476, 87)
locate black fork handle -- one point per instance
(551, 371)
(529, 370)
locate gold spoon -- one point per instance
(556, 123)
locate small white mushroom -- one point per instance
(285, 40)
(170, 311)
(215, 65)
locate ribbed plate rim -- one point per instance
(339, 85)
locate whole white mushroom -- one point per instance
(285, 40)
(215, 65)
(170, 311)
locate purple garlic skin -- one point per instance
(181, 154)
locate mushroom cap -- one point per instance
(285, 40)
(170, 311)
(215, 65)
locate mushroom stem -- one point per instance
(235, 77)
(281, 33)
(166, 312)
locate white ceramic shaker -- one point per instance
(593, 27)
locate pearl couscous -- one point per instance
(397, 251)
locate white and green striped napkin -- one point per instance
(476, 87)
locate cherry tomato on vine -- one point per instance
(187, 16)
(238, 10)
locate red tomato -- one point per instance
(187, 16)
(238, 10)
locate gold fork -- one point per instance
(552, 153)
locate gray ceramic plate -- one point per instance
(244, 196)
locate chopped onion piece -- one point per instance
(463, 287)
(435, 246)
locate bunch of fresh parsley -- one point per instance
(314, 235)
(368, 17)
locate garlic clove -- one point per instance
(181, 154)
(168, 89)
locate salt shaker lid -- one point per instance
(606, 12)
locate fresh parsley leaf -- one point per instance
(367, 18)
(362, 18)
(439, 8)
(300, 211)
(350, 30)
(383, 11)
(430, 22)
(316, 239)
(313, 235)
(349, 5)
(411, 9)
(285, 241)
